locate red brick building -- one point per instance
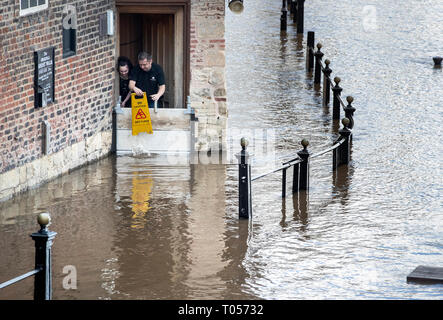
(58, 78)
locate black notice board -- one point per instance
(44, 76)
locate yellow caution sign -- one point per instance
(141, 119)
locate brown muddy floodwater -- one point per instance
(145, 228)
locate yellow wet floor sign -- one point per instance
(141, 119)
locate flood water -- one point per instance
(144, 228)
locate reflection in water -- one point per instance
(301, 205)
(141, 191)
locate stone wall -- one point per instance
(84, 86)
(50, 166)
(207, 88)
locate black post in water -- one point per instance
(349, 112)
(309, 52)
(301, 170)
(244, 182)
(43, 243)
(318, 56)
(336, 90)
(294, 11)
(341, 154)
(295, 175)
(326, 83)
(284, 17)
(283, 184)
(300, 15)
(345, 133)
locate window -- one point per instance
(69, 25)
(31, 6)
(69, 42)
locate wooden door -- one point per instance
(131, 40)
(158, 39)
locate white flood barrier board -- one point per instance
(171, 133)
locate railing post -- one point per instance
(336, 103)
(284, 17)
(309, 52)
(294, 11)
(349, 111)
(326, 83)
(341, 154)
(300, 15)
(283, 186)
(244, 182)
(345, 133)
(43, 243)
(318, 56)
(295, 178)
(301, 170)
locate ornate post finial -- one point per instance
(44, 220)
(244, 143)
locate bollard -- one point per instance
(336, 90)
(341, 154)
(244, 182)
(349, 112)
(318, 56)
(309, 52)
(284, 16)
(300, 15)
(301, 170)
(326, 83)
(43, 243)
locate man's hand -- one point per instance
(155, 97)
(138, 92)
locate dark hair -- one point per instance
(124, 61)
(144, 55)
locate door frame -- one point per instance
(181, 10)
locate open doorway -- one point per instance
(159, 32)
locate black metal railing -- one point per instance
(43, 266)
(341, 148)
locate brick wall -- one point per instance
(207, 61)
(84, 83)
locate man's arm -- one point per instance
(134, 88)
(161, 91)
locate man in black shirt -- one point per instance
(148, 77)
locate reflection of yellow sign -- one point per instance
(141, 119)
(141, 193)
